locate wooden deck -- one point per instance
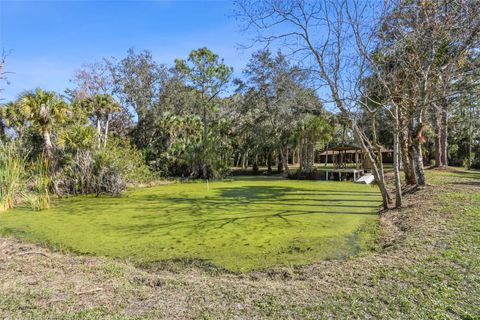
(331, 173)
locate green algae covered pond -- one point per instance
(242, 224)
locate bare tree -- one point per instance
(416, 57)
(137, 81)
(92, 79)
(317, 33)
(3, 72)
(3, 80)
(412, 50)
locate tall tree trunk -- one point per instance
(381, 171)
(306, 155)
(437, 142)
(204, 143)
(255, 164)
(416, 150)
(284, 160)
(51, 161)
(378, 147)
(418, 163)
(301, 155)
(386, 199)
(438, 157)
(396, 160)
(444, 134)
(406, 159)
(311, 156)
(47, 144)
(441, 134)
(237, 162)
(99, 130)
(243, 161)
(326, 155)
(469, 163)
(269, 162)
(106, 131)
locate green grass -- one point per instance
(239, 225)
(431, 272)
(441, 280)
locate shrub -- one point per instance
(476, 163)
(103, 170)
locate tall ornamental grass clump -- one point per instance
(40, 198)
(11, 172)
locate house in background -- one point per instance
(350, 156)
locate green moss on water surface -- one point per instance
(241, 224)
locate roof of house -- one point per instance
(348, 150)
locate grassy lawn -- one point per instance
(243, 224)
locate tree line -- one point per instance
(130, 119)
(404, 75)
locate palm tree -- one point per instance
(46, 110)
(110, 107)
(101, 107)
(16, 116)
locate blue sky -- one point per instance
(49, 40)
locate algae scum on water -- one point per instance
(240, 225)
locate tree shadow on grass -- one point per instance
(470, 183)
(266, 205)
(255, 192)
(231, 205)
(205, 224)
(464, 178)
(200, 204)
(456, 172)
(473, 175)
(259, 192)
(231, 198)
